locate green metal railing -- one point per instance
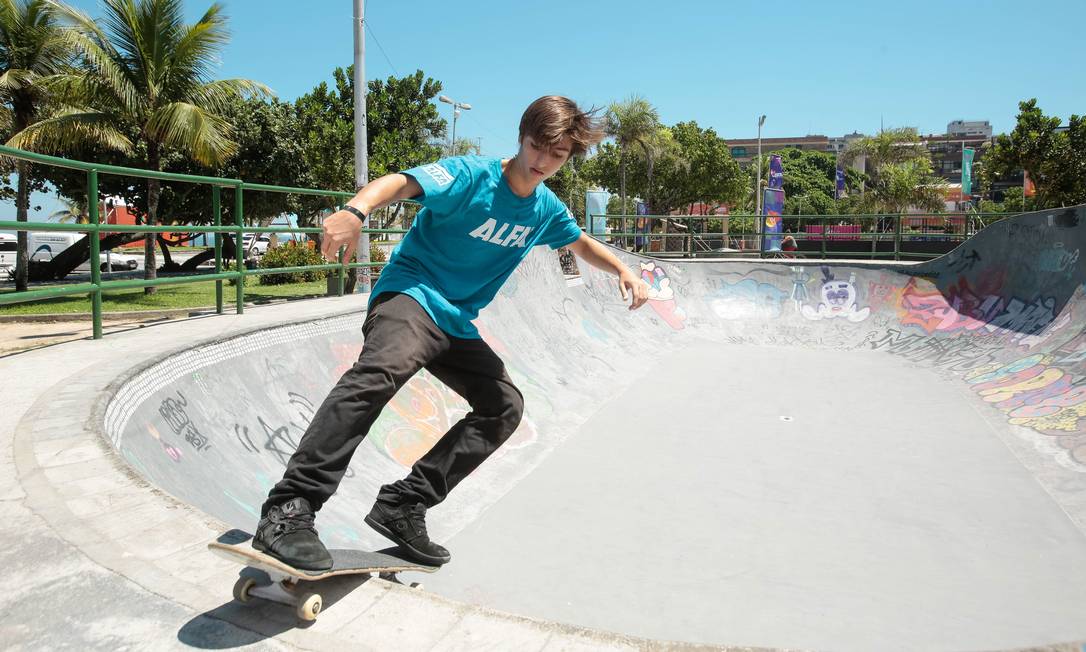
(875, 229)
(95, 228)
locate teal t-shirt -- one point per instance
(470, 235)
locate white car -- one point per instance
(257, 248)
(113, 261)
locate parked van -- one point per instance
(46, 245)
(8, 245)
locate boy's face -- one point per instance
(539, 162)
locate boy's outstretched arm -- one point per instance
(343, 227)
(592, 252)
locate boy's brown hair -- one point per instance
(551, 117)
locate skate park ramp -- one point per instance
(841, 455)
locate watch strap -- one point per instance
(357, 213)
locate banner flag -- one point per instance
(773, 208)
(776, 172)
(967, 172)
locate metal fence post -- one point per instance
(239, 253)
(897, 237)
(95, 252)
(216, 210)
(341, 273)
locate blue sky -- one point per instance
(812, 67)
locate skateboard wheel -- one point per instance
(416, 585)
(242, 587)
(309, 606)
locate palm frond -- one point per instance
(6, 119)
(68, 127)
(86, 37)
(15, 79)
(217, 95)
(205, 135)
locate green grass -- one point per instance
(189, 295)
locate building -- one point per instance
(745, 150)
(946, 153)
(946, 149)
(969, 128)
(116, 211)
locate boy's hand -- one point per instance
(630, 284)
(340, 228)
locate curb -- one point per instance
(86, 316)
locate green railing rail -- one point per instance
(898, 228)
(95, 228)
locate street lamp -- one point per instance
(758, 188)
(456, 114)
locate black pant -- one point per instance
(401, 339)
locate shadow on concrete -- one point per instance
(260, 619)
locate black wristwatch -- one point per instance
(357, 213)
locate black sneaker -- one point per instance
(405, 525)
(286, 532)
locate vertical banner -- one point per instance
(776, 172)
(839, 185)
(967, 172)
(595, 209)
(642, 226)
(773, 208)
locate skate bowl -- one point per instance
(791, 454)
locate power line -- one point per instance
(488, 131)
(381, 48)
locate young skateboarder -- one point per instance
(480, 218)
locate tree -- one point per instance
(145, 71)
(269, 151)
(73, 212)
(810, 180)
(899, 172)
(402, 125)
(705, 170)
(1054, 160)
(631, 122)
(692, 165)
(32, 47)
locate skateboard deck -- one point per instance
(284, 586)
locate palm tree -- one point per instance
(72, 212)
(633, 121)
(31, 47)
(146, 73)
(899, 166)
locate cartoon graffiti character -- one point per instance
(799, 285)
(838, 300)
(661, 296)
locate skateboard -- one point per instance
(289, 585)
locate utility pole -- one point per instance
(361, 156)
(456, 114)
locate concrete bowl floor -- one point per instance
(767, 497)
